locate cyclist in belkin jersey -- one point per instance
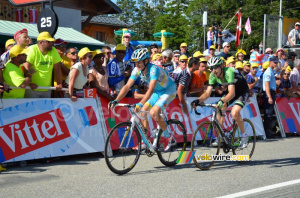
(161, 90)
(238, 92)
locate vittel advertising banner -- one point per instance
(43, 128)
(289, 114)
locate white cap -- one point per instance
(297, 23)
(225, 43)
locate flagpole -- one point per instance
(230, 21)
(243, 39)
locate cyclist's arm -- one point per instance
(206, 94)
(125, 89)
(150, 91)
(230, 95)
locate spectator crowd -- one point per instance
(50, 63)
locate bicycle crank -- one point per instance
(149, 153)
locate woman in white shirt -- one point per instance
(77, 77)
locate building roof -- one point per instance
(9, 28)
(106, 21)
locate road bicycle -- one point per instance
(211, 134)
(123, 144)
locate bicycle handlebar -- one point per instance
(205, 105)
(129, 106)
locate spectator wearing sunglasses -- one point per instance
(183, 59)
(176, 58)
(108, 55)
(285, 85)
(268, 54)
(252, 79)
(154, 49)
(78, 76)
(60, 46)
(226, 51)
(98, 76)
(45, 60)
(183, 81)
(72, 55)
(116, 69)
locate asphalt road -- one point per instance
(274, 162)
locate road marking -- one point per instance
(265, 188)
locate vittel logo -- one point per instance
(32, 133)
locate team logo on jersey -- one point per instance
(113, 67)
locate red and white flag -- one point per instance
(33, 15)
(19, 15)
(248, 26)
(238, 27)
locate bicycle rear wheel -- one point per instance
(236, 138)
(121, 157)
(169, 156)
(204, 144)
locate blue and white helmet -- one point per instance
(140, 54)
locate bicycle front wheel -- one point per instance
(122, 148)
(236, 139)
(206, 143)
(169, 148)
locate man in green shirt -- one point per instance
(238, 92)
(13, 74)
(43, 58)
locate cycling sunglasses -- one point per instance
(214, 67)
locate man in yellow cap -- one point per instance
(198, 54)
(13, 74)
(212, 50)
(43, 58)
(231, 62)
(116, 69)
(183, 59)
(8, 44)
(252, 79)
(246, 69)
(183, 49)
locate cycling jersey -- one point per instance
(165, 89)
(233, 77)
(154, 72)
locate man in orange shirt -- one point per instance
(198, 80)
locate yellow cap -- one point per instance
(17, 50)
(183, 45)
(212, 47)
(288, 68)
(240, 51)
(231, 59)
(97, 51)
(121, 47)
(156, 56)
(223, 59)
(254, 65)
(9, 42)
(197, 54)
(239, 65)
(203, 60)
(210, 28)
(183, 57)
(83, 52)
(266, 65)
(246, 63)
(45, 36)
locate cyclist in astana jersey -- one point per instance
(161, 91)
(238, 92)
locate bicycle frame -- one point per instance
(135, 120)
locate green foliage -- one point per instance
(184, 18)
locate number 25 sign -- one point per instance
(47, 21)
